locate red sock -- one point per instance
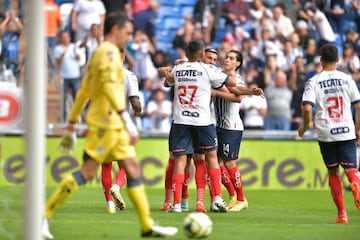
(353, 175)
(212, 194)
(168, 179)
(235, 177)
(200, 179)
(120, 178)
(215, 181)
(106, 180)
(185, 187)
(177, 183)
(337, 192)
(227, 181)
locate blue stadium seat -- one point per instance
(185, 2)
(164, 46)
(173, 23)
(187, 10)
(168, 11)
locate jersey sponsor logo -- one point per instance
(187, 73)
(339, 130)
(190, 114)
(9, 108)
(331, 83)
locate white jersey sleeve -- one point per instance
(332, 93)
(131, 84)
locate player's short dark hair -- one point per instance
(329, 53)
(195, 47)
(115, 19)
(239, 57)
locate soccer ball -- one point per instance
(197, 225)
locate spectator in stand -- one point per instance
(10, 30)
(322, 25)
(253, 109)
(206, 17)
(278, 97)
(183, 36)
(288, 56)
(258, 11)
(336, 16)
(267, 76)
(237, 15)
(84, 14)
(53, 21)
(349, 62)
(283, 25)
(315, 68)
(292, 9)
(297, 80)
(67, 61)
(310, 51)
(117, 6)
(356, 6)
(352, 36)
(143, 66)
(158, 110)
(145, 21)
(92, 41)
(302, 29)
(3, 7)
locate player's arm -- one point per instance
(224, 93)
(307, 118)
(81, 99)
(357, 122)
(136, 106)
(166, 72)
(242, 90)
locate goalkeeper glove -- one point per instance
(68, 141)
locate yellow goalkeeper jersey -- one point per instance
(103, 85)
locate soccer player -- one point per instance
(111, 132)
(229, 126)
(192, 128)
(210, 57)
(112, 192)
(332, 92)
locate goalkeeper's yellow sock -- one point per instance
(138, 196)
(68, 186)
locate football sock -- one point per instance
(215, 179)
(177, 182)
(200, 179)
(211, 192)
(337, 192)
(227, 181)
(353, 175)
(106, 179)
(235, 177)
(168, 179)
(137, 195)
(67, 187)
(121, 177)
(185, 187)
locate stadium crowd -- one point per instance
(279, 39)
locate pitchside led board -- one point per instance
(10, 106)
(264, 164)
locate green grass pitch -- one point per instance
(271, 215)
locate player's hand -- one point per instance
(301, 131)
(68, 140)
(258, 92)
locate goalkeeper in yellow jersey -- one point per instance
(111, 133)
